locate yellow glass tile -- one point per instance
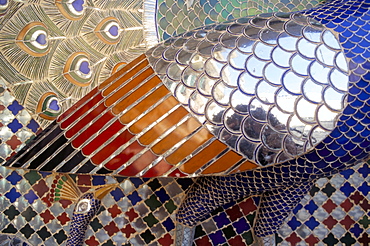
(122, 71)
(136, 94)
(154, 114)
(171, 120)
(143, 75)
(189, 146)
(223, 163)
(204, 156)
(144, 105)
(175, 136)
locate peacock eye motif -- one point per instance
(83, 206)
(48, 107)
(77, 69)
(71, 9)
(3, 6)
(108, 30)
(33, 39)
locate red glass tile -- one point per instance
(330, 222)
(78, 104)
(347, 222)
(102, 138)
(83, 189)
(346, 205)
(365, 205)
(111, 228)
(83, 180)
(13, 142)
(177, 173)
(131, 214)
(329, 206)
(40, 188)
(91, 130)
(139, 164)
(365, 239)
(92, 241)
(204, 241)
(236, 241)
(293, 239)
(104, 153)
(128, 230)
(234, 213)
(126, 155)
(47, 216)
(158, 170)
(65, 203)
(2, 107)
(312, 240)
(114, 211)
(82, 122)
(48, 200)
(166, 240)
(357, 197)
(63, 218)
(247, 206)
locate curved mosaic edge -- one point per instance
(149, 23)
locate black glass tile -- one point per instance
(328, 190)
(60, 237)
(58, 158)
(216, 211)
(229, 232)
(71, 163)
(153, 203)
(199, 232)
(103, 171)
(108, 243)
(330, 240)
(27, 231)
(147, 236)
(10, 229)
(29, 214)
(95, 224)
(185, 183)
(11, 212)
(314, 190)
(44, 233)
(86, 167)
(348, 239)
(154, 184)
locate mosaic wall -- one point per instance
(140, 211)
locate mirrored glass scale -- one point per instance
(271, 88)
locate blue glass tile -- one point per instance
(14, 178)
(364, 170)
(117, 194)
(311, 207)
(15, 125)
(340, 152)
(241, 225)
(345, 159)
(13, 195)
(348, 45)
(294, 223)
(347, 189)
(356, 230)
(134, 198)
(136, 181)
(31, 196)
(217, 238)
(347, 33)
(349, 146)
(33, 126)
(364, 188)
(168, 224)
(221, 219)
(98, 180)
(162, 195)
(15, 107)
(312, 223)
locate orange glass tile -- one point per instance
(223, 163)
(128, 76)
(247, 165)
(87, 97)
(138, 165)
(94, 128)
(162, 126)
(76, 115)
(125, 156)
(96, 113)
(104, 153)
(189, 146)
(204, 156)
(148, 101)
(154, 114)
(135, 95)
(122, 71)
(180, 132)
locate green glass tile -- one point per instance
(150, 220)
(44, 233)
(229, 232)
(28, 214)
(250, 218)
(153, 203)
(248, 237)
(330, 240)
(348, 239)
(60, 236)
(32, 177)
(147, 236)
(365, 222)
(170, 206)
(95, 224)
